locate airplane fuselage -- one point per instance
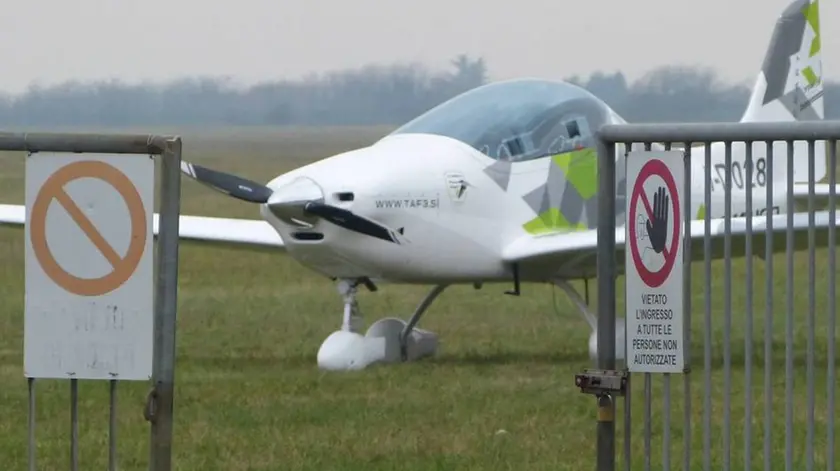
(453, 215)
(741, 181)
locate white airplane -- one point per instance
(496, 185)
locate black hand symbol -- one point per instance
(657, 226)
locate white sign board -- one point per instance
(89, 269)
(654, 262)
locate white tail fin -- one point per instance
(789, 86)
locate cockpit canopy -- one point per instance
(517, 120)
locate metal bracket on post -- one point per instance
(602, 383)
(605, 385)
(150, 406)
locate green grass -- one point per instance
(249, 396)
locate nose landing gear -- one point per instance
(389, 340)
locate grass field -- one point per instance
(249, 396)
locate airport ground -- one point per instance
(500, 394)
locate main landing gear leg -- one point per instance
(592, 320)
(406, 334)
(388, 340)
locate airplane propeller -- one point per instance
(348, 220)
(253, 192)
(238, 187)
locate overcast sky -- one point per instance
(49, 41)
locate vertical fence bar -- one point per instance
(768, 310)
(606, 265)
(647, 419)
(74, 424)
(112, 425)
(831, 384)
(789, 313)
(628, 424)
(666, 423)
(748, 321)
(687, 311)
(666, 405)
(727, 300)
(707, 317)
(648, 399)
(31, 384)
(166, 305)
(812, 301)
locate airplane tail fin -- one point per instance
(789, 86)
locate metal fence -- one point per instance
(159, 409)
(798, 428)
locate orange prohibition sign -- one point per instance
(53, 189)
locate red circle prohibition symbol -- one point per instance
(654, 167)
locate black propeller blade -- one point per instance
(348, 220)
(232, 185)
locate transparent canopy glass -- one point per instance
(516, 120)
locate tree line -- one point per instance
(369, 95)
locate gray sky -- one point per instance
(50, 41)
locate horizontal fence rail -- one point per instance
(739, 328)
(85, 143)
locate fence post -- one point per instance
(606, 265)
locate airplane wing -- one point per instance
(821, 192)
(252, 232)
(12, 214)
(575, 253)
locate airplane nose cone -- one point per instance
(287, 202)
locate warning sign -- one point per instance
(89, 268)
(654, 262)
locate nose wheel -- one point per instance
(389, 340)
